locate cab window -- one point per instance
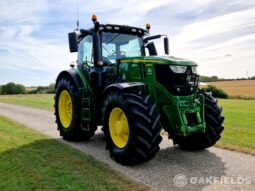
(85, 54)
(117, 45)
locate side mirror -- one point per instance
(166, 45)
(152, 49)
(73, 43)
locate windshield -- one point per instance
(116, 46)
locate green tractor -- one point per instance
(121, 84)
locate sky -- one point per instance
(217, 34)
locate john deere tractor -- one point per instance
(121, 84)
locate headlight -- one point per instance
(178, 69)
(194, 69)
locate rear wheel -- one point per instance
(68, 111)
(213, 119)
(131, 127)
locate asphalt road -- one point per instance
(171, 169)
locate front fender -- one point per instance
(123, 86)
(72, 74)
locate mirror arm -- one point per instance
(86, 32)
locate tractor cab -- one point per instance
(106, 44)
(116, 42)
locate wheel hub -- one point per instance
(118, 127)
(65, 108)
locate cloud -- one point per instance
(218, 25)
(23, 53)
(208, 41)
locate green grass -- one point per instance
(239, 133)
(41, 101)
(32, 161)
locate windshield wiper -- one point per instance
(106, 49)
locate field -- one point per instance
(32, 161)
(239, 133)
(244, 88)
(41, 101)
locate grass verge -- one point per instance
(32, 161)
(41, 101)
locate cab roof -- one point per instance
(125, 29)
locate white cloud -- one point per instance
(218, 25)
(229, 56)
(23, 52)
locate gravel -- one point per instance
(171, 169)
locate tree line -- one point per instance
(216, 78)
(13, 88)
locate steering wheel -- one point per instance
(106, 61)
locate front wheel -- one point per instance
(131, 127)
(214, 128)
(68, 111)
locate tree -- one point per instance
(216, 92)
(12, 88)
(44, 89)
(51, 89)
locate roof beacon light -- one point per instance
(148, 26)
(94, 18)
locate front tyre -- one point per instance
(214, 128)
(68, 111)
(131, 127)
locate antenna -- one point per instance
(77, 11)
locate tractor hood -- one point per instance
(159, 60)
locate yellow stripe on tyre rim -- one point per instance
(118, 127)
(65, 108)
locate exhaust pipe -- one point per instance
(97, 44)
(97, 75)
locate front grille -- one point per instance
(176, 84)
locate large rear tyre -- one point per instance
(131, 127)
(68, 111)
(214, 128)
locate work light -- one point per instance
(178, 69)
(194, 69)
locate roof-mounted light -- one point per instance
(108, 27)
(94, 18)
(148, 26)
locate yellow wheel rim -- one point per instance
(118, 127)
(65, 108)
